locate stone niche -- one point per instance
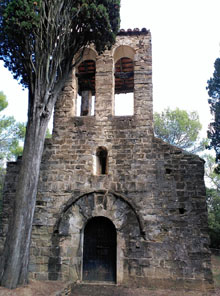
(114, 203)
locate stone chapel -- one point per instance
(115, 204)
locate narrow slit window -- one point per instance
(101, 161)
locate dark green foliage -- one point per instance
(214, 102)
(214, 136)
(30, 29)
(2, 177)
(213, 201)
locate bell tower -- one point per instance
(97, 80)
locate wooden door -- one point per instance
(99, 250)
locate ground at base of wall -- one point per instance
(57, 288)
(90, 290)
(36, 288)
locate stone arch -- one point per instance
(66, 259)
(123, 51)
(122, 197)
(89, 54)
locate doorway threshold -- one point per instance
(101, 283)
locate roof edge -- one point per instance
(135, 31)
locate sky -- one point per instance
(185, 44)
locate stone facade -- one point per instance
(151, 192)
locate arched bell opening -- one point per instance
(86, 88)
(99, 250)
(124, 86)
(124, 80)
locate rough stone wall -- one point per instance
(153, 193)
(8, 198)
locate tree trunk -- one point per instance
(15, 258)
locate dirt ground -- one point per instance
(36, 288)
(119, 291)
(56, 288)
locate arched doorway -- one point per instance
(99, 250)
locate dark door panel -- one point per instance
(99, 250)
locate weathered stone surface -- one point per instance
(153, 193)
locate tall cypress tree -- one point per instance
(38, 41)
(214, 102)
